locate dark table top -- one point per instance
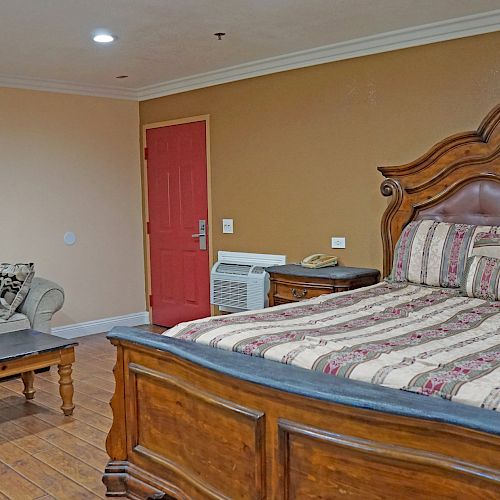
(23, 343)
(333, 272)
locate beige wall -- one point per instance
(295, 154)
(71, 163)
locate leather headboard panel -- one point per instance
(475, 203)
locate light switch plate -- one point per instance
(338, 242)
(227, 226)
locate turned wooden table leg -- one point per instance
(28, 381)
(66, 388)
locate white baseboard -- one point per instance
(100, 325)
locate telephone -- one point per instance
(318, 260)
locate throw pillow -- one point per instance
(434, 253)
(15, 282)
(482, 278)
(487, 244)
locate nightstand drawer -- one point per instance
(298, 291)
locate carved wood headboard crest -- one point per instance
(457, 180)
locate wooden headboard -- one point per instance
(458, 180)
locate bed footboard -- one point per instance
(195, 422)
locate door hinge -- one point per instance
(145, 153)
(148, 228)
(150, 301)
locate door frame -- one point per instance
(145, 201)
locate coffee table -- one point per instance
(25, 351)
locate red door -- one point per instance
(177, 197)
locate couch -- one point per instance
(43, 300)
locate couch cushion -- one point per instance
(16, 322)
(15, 282)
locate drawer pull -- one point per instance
(299, 294)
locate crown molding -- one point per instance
(477, 24)
(486, 22)
(67, 87)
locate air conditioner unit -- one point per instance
(239, 282)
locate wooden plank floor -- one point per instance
(44, 455)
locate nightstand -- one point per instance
(291, 283)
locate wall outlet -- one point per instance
(338, 242)
(227, 226)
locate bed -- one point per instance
(194, 421)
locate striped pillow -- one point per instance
(435, 253)
(487, 244)
(482, 278)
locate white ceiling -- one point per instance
(49, 41)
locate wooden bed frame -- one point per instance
(191, 421)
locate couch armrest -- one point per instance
(43, 300)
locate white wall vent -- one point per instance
(238, 281)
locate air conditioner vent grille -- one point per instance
(258, 270)
(230, 293)
(237, 269)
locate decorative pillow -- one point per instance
(482, 278)
(487, 245)
(434, 253)
(15, 282)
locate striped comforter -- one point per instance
(426, 340)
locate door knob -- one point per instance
(202, 234)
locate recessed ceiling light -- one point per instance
(103, 38)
